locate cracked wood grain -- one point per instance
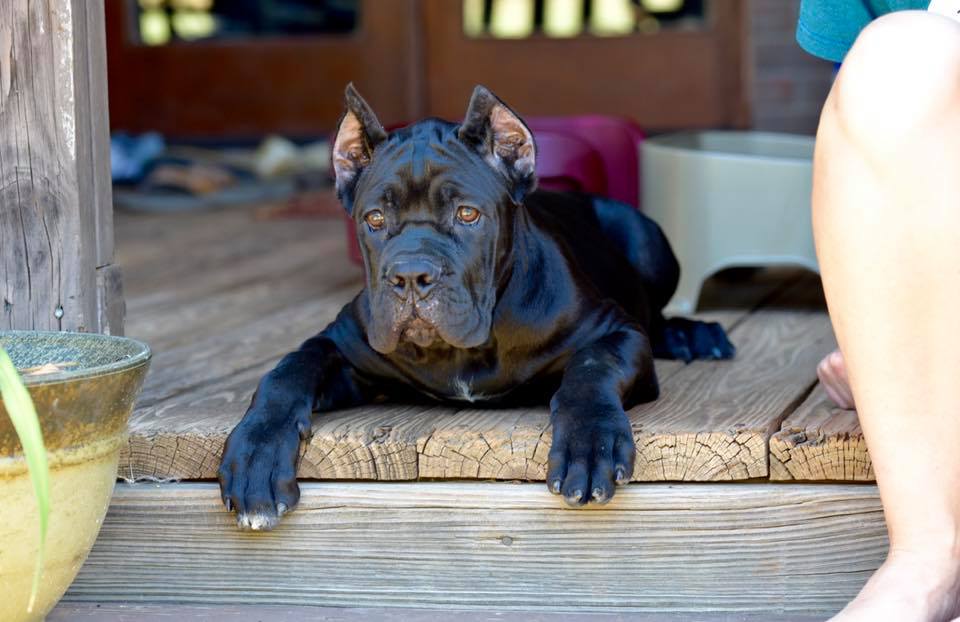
(820, 442)
(55, 209)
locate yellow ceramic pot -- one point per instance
(83, 412)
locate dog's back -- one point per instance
(610, 242)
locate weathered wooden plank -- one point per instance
(93, 130)
(730, 299)
(222, 308)
(55, 208)
(820, 442)
(148, 242)
(182, 438)
(493, 546)
(711, 423)
(110, 612)
(197, 393)
(713, 419)
(257, 290)
(220, 355)
(509, 444)
(111, 307)
(173, 281)
(226, 296)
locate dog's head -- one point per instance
(433, 204)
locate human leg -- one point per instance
(887, 224)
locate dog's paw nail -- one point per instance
(599, 495)
(229, 505)
(281, 509)
(621, 477)
(575, 497)
(555, 487)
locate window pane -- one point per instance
(512, 19)
(163, 21)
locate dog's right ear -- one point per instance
(358, 134)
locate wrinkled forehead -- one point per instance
(428, 159)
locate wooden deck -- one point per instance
(221, 297)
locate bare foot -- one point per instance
(908, 587)
(833, 375)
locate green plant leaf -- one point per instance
(20, 408)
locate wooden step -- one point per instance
(820, 442)
(110, 612)
(739, 548)
(237, 294)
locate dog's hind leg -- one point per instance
(686, 340)
(644, 245)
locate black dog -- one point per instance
(477, 290)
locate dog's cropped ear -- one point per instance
(503, 139)
(358, 134)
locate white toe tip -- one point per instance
(256, 522)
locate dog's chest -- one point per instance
(478, 376)
(462, 390)
(469, 384)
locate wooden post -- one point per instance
(56, 214)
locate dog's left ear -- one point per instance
(358, 134)
(503, 139)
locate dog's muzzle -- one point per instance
(412, 278)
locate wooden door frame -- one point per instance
(234, 76)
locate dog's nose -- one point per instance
(418, 275)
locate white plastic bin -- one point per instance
(729, 199)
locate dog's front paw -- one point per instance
(592, 453)
(258, 478)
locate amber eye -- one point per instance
(375, 219)
(468, 215)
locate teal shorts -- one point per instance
(828, 28)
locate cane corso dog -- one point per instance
(478, 290)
